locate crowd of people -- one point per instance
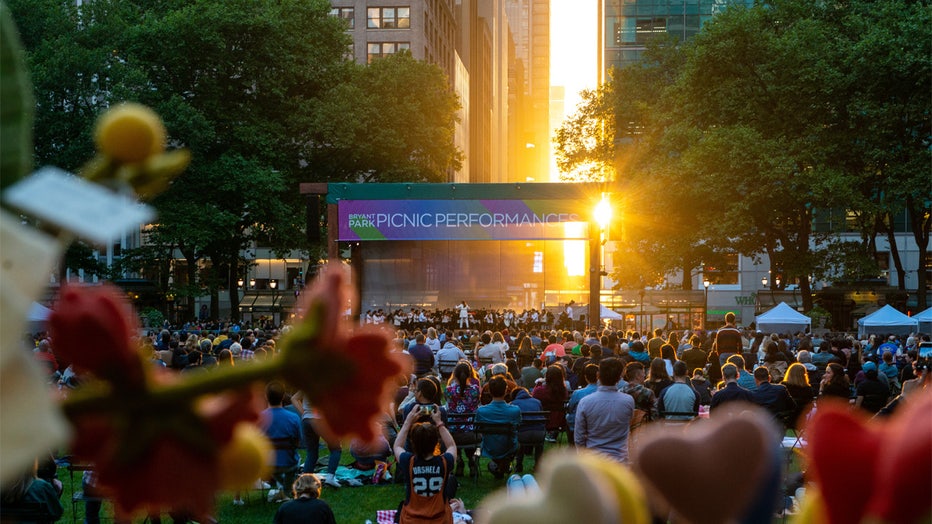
(596, 387)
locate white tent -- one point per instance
(782, 319)
(37, 317)
(604, 312)
(887, 320)
(925, 321)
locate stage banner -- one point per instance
(460, 220)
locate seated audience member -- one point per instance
(530, 434)
(553, 395)
(732, 392)
(462, 398)
(772, 397)
(702, 386)
(834, 383)
(501, 370)
(428, 489)
(448, 356)
(644, 398)
(871, 394)
(530, 374)
(26, 490)
(499, 448)
(591, 373)
(797, 384)
(694, 356)
(679, 397)
(283, 428)
(307, 507)
(745, 379)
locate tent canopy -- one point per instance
(782, 319)
(604, 312)
(925, 321)
(38, 313)
(887, 320)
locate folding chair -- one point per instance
(466, 439)
(504, 429)
(531, 434)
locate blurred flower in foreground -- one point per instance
(154, 440)
(348, 377)
(130, 140)
(93, 328)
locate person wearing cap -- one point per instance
(871, 394)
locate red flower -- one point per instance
(353, 405)
(92, 327)
(348, 377)
(155, 461)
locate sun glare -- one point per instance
(573, 55)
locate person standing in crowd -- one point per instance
(728, 339)
(463, 309)
(313, 433)
(604, 417)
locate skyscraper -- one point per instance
(628, 25)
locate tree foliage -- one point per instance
(262, 95)
(769, 114)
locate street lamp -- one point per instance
(601, 217)
(239, 282)
(763, 281)
(777, 282)
(705, 303)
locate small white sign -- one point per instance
(84, 208)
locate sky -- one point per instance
(573, 51)
(573, 46)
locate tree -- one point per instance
(392, 121)
(261, 94)
(763, 123)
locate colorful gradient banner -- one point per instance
(458, 219)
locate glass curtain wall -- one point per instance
(486, 274)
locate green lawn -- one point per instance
(350, 505)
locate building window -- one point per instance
(727, 273)
(380, 49)
(346, 14)
(389, 18)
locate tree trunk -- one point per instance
(895, 253)
(921, 221)
(233, 291)
(191, 259)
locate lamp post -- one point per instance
(705, 302)
(763, 281)
(274, 285)
(601, 216)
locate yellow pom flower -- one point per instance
(130, 132)
(246, 458)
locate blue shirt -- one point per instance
(577, 395)
(499, 412)
(283, 428)
(602, 422)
